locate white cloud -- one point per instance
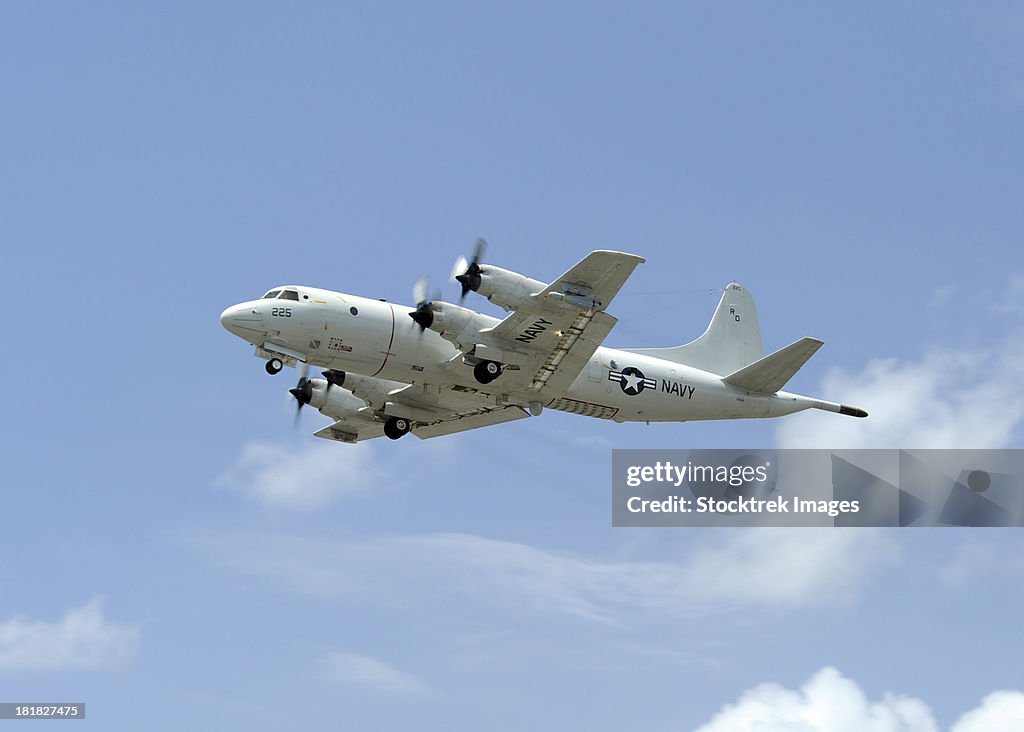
(791, 568)
(974, 560)
(764, 568)
(948, 399)
(350, 669)
(970, 560)
(83, 638)
(1001, 711)
(302, 477)
(1010, 300)
(830, 702)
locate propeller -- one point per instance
(423, 315)
(334, 377)
(468, 273)
(419, 290)
(303, 391)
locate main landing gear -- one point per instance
(487, 371)
(273, 366)
(395, 427)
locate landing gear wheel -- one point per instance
(273, 366)
(396, 427)
(487, 371)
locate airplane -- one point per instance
(441, 368)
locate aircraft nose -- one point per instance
(240, 318)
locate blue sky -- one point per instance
(173, 544)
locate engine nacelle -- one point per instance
(341, 402)
(371, 390)
(457, 324)
(337, 402)
(506, 289)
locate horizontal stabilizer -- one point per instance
(769, 374)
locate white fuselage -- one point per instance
(378, 339)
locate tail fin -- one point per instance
(769, 374)
(732, 340)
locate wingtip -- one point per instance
(852, 411)
(629, 255)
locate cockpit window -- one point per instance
(271, 295)
(289, 295)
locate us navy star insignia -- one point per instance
(631, 380)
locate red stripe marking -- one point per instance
(388, 352)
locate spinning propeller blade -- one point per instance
(460, 266)
(303, 391)
(422, 315)
(468, 273)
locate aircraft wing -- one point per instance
(347, 430)
(551, 339)
(435, 412)
(450, 409)
(469, 421)
(598, 276)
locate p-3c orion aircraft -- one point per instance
(441, 368)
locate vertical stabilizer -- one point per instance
(732, 340)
